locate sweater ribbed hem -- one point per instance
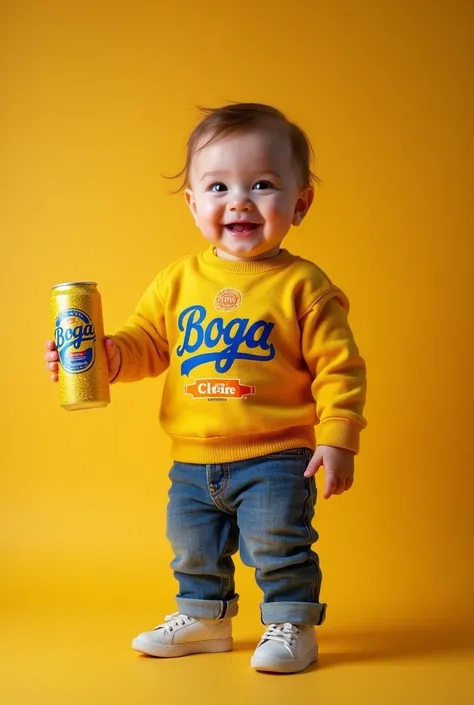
(231, 449)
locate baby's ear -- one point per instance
(303, 205)
(189, 198)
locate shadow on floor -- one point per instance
(382, 644)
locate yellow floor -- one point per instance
(79, 659)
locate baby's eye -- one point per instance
(218, 187)
(261, 185)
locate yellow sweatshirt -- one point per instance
(258, 354)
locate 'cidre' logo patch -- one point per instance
(218, 388)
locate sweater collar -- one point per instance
(246, 267)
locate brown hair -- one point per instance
(220, 122)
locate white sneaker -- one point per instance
(181, 635)
(286, 648)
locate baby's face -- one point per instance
(244, 193)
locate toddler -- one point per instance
(258, 352)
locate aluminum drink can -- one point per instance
(76, 312)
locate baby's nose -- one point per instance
(241, 204)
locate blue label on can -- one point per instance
(75, 340)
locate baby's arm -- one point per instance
(339, 389)
(142, 341)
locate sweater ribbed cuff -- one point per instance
(340, 433)
(128, 371)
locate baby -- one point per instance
(258, 352)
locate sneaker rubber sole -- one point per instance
(283, 665)
(209, 646)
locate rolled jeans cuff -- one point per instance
(208, 609)
(293, 612)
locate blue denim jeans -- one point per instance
(262, 507)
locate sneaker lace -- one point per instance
(284, 633)
(172, 621)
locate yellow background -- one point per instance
(97, 103)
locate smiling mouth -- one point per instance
(241, 227)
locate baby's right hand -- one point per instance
(112, 352)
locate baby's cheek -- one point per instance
(211, 211)
(272, 210)
(279, 213)
(279, 207)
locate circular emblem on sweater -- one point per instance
(228, 300)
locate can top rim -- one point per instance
(57, 286)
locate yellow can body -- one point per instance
(76, 312)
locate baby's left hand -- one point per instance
(339, 468)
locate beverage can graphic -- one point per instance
(76, 312)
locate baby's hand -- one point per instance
(113, 358)
(339, 468)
